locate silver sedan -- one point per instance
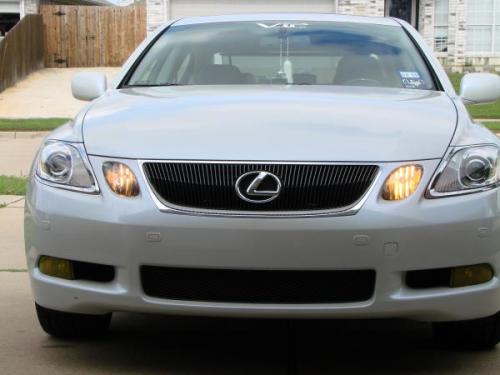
(272, 165)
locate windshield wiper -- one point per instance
(155, 84)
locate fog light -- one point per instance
(470, 275)
(402, 182)
(121, 179)
(56, 267)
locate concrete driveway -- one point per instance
(17, 151)
(142, 344)
(45, 93)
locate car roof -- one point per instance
(288, 17)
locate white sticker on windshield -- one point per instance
(411, 80)
(412, 75)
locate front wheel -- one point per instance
(469, 334)
(70, 325)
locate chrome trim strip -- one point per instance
(142, 161)
(168, 207)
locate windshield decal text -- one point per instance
(283, 25)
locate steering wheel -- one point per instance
(362, 82)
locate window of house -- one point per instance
(483, 26)
(403, 9)
(441, 13)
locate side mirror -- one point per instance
(479, 88)
(88, 85)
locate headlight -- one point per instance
(65, 165)
(467, 170)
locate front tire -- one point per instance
(469, 334)
(70, 325)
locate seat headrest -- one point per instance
(357, 66)
(219, 75)
(304, 78)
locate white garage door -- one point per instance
(8, 6)
(186, 8)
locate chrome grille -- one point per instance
(305, 187)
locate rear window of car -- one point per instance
(284, 53)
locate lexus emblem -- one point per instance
(258, 187)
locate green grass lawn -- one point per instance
(31, 124)
(10, 185)
(495, 126)
(487, 111)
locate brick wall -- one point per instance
(157, 13)
(29, 7)
(454, 58)
(426, 20)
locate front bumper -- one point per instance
(389, 237)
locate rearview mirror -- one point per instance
(88, 85)
(479, 88)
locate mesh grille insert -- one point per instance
(256, 286)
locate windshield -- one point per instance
(284, 53)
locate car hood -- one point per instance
(270, 123)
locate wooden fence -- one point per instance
(21, 51)
(83, 36)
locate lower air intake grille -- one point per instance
(250, 286)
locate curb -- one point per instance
(23, 135)
(484, 120)
(12, 201)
